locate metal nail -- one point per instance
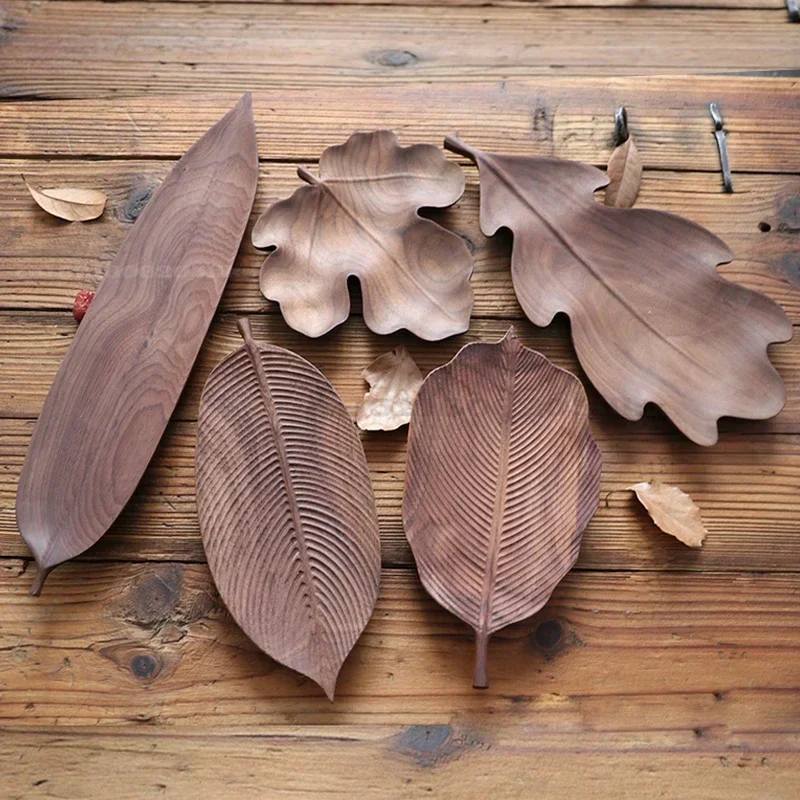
(620, 126)
(722, 146)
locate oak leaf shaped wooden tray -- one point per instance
(503, 476)
(652, 320)
(286, 508)
(360, 218)
(126, 367)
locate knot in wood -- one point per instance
(144, 666)
(396, 58)
(548, 634)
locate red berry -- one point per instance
(82, 300)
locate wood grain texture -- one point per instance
(503, 476)
(746, 486)
(360, 218)
(547, 116)
(122, 375)
(286, 508)
(620, 662)
(43, 263)
(773, 4)
(375, 762)
(690, 342)
(637, 686)
(130, 49)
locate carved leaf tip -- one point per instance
(38, 581)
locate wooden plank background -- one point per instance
(654, 670)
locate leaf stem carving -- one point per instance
(510, 350)
(243, 324)
(308, 176)
(38, 581)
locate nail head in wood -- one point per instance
(722, 146)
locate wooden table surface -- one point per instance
(655, 670)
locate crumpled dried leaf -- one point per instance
(73, 205)
(624, 175)
(394, 379)
(360, 218)
(673, 511)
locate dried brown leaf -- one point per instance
(394, 379)
(673, 511)
(73, 205)
(624, 175)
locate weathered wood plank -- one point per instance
(746, 487)
(82, 49)
(376, 762)
(520, 3)
(567, 117)
(44, 261)
(688, 662)
(33, 344)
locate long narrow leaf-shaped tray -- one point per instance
(652, 320)
(286, 508)
(503, 476)
(125, 369)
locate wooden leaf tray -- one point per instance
(652, 321)
(125, 369)
(503, 476)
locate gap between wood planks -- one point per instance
(7, 561)
(65, 158)
(693, 5)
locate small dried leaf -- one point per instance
(673, 511)
(394, 379)
(73, 205)
(624, 175)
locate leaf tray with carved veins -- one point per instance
(503, 476)
(287, 513)
(652, 320)
(360, 218)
